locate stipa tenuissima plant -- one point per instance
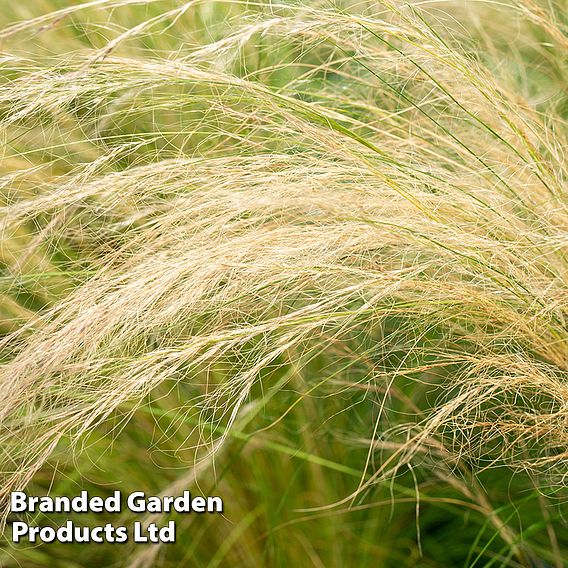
(209, 206)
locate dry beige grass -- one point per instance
(360, 174)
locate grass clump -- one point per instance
(310, 257)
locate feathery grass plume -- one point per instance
(208, 206)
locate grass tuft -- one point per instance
(313, 258)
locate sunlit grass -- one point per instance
(309, 257)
